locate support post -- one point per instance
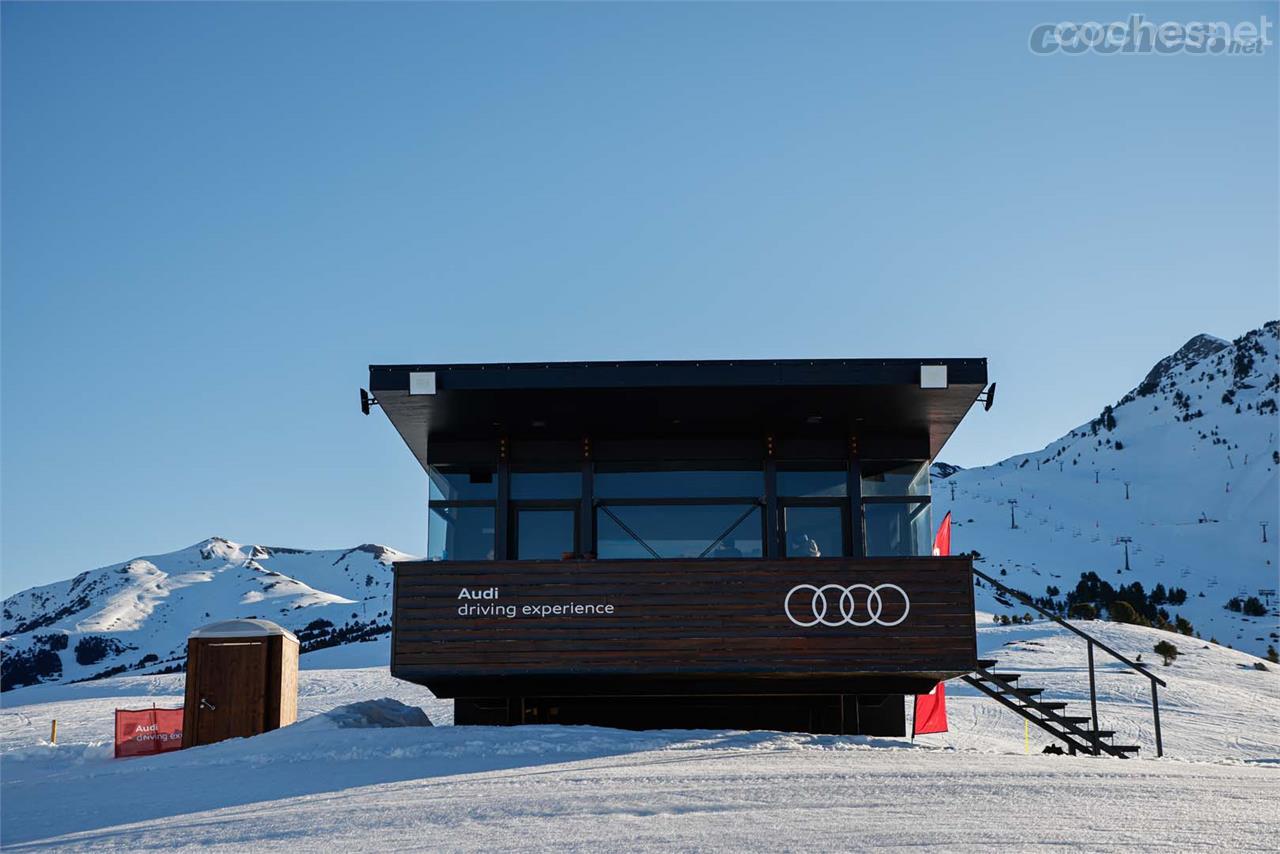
(502, 547)
(587, 509)
(1093, 702)
(772, 524)
(1155, 711)
(857, 539)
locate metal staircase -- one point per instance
(1072, 730)
(1080, 734)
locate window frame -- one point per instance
(864, 499)
(620, 467)
(493, 504)
(841, 504)
(541, 505)
(925, 500)
(471, 503)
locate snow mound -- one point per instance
(371, 714)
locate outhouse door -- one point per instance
(232, 690)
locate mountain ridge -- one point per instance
(1210, 407)
(134, 615)
(1184, 466)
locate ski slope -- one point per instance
(1187, 465)
(316, 787)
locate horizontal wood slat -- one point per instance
(678, 617)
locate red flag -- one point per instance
(942, 541)
(143, 732)
(931, 712)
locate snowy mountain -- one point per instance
(135, 616)
(1185, 465)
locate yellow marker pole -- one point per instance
(1026, 736)
(53, 733)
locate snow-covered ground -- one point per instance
(314, 786)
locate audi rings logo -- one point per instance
(837, 605)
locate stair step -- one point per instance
(1054, 706)
(1102, 733)
(1073, 720)
(1030, 692)
(985, 663)
(1124, 748)
(1003, 677)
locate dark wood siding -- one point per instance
(693, 620)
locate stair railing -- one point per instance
(1092, 642)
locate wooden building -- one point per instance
(664, 544)
(242, 680)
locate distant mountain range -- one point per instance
(135, 616)
(1185, 465)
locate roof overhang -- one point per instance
(572, 400)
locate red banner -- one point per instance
(942, 542)
(931, 712)
(144, 732)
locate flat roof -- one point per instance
(674, 399)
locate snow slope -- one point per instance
(1194, 446)
(135, 616)
(314, 787)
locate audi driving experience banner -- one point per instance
(900, 614)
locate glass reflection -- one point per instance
(544, 534)
(895, 477)
(814, 531)
(679, 531)
(462, 484)
(546, 484)
(679, 484)
(460, 533)
(898, 529)
(831, 483)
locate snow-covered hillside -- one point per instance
(1185, 464)
(135, 616)
(315, 786)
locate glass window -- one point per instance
(462, 484)
(679, 531)
(898, 529)
(546, 484)
(544, 534)
(895, 477)
(833, 483)
(460, 533)
(814, 531)
(679, 484)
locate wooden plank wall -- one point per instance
(678, 618)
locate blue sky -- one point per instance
(215, 216)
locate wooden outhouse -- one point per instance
(242, 680)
